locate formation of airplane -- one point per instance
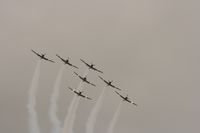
(84, 79)
(109, 83)
(126, 99)
(91, 66)
(79, 93)
(42, 56)
(66, 61)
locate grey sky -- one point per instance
(149, 48)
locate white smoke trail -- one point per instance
(68, 127)
(93, 115)
(67, 118)
(115, 119)
(75, 107)
(70, 113)
(73, 115)
(33, 120)
(53, 103)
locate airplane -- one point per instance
(126, 99)
(109, 83)
(66, 61)
(80, 93)
(42, 56)
(84, 79)
(91, 66)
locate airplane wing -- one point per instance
(131, 102)
(90, 83)
(76, 73)
(119, 94)
(86, 97)
(97, 70)
(60, 57)
(48, 60)
(115, 87)
(36, 53)
(70, 64)
(74, 66)
(85, 63)
(103, 79)
(70, 89)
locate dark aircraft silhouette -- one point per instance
(126, 99)
(66, 61)
(84, 79)
(91, 66)
(80, 93)
(109, 83)
(42, 56)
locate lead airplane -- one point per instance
(109, 83)
(42, 56)
(80, 93)
(91, 66)
(126, 99)
(84, 79)
(66, 61)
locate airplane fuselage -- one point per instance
(124, 98)
(42, 56)
(67, 62)
(109, 83)
(79, 94)
(91, 66)
(84, 79)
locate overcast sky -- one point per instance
(150, 48)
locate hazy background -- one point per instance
(150, 48)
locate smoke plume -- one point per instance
(33, 120)
(115, 119)
(93, 115)
(53, 103)
(71, 114)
